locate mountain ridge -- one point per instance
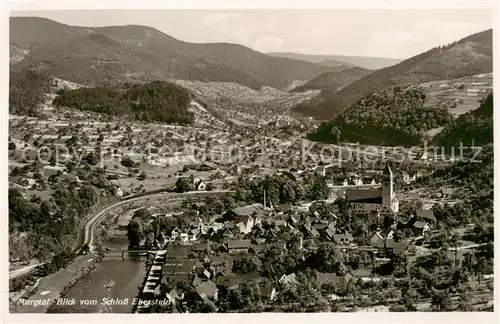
(148, 54)
(468, 56)
(366, 62)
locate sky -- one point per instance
(379, 33)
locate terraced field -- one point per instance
(459, 95)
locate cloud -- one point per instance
(419, 38)
(393, 36)
(268, 43)
(443, 32)
(216, 18)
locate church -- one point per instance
(379, 201)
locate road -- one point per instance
(21, 271)
(89, 225)
(88, 228)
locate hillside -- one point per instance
(237, 102)
(27, 90)
(124, 53)
(475, 127)
(365, 62)
(155, 101)
(391, 117)
(468, 56)
(333, 81)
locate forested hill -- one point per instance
(392, 117)
(155, 101)
(96, 55)
(468, 56)
(473, 127)
(27, 90)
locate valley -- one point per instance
(213, 178)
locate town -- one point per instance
(189, 196)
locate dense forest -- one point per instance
(468, 56)
(394, 117)
(472, 180)
(40, 228)
(155, 101)
(474, 127)
(27, 89)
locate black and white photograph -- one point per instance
(279, 160)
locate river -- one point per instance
(114, 278)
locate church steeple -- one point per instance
(387, 170)
(387, 186)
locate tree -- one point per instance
(142, 214)
(182, 185)
(465, 300)
(85, 249)
(409, 297)
(441, 300)
(12, 146)
(127, 162)
(134, 233)
(142, 176)
(92, 158)
(52, 160)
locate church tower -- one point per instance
(387, 186)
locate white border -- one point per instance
(7, 6)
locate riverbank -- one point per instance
(114, 279)
(50, 290)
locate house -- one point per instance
(175, 251)
(173, 272)
(447, 192)
(197, 281)
(421, 227)
(281, 244)
(174, 297)
(256, 248)
(267, 292)
(426, 215)
(200, 247)
(309, 244)
(201, 186)
(250, 210)
(238, 246)
(184, 237)
(329, 232)
(193, 234)
(288, 280)
(280, 223)
(294, 219)
(395, 248)
(343, 239)
(283, 208)
(357, 181)
(119, 192)
(311, 231)
(377, 240)
(207, 290)
(234, 280)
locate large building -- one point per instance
(380, 201)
